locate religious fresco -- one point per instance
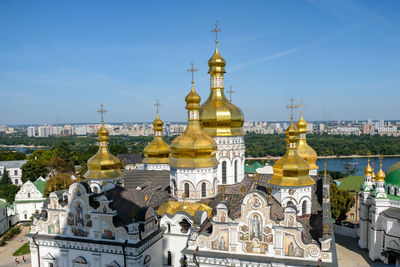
(255, 226)
(79, 215)
(54, 226)
(256, 247)
(70, 219)
(222, 241)
(108, 234)
(255, 203)
(80, 232)
(291, 247)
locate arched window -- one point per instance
(235, 171)
(147, 260)
(185, 226)
(224, 172)
(29, 195)
(289, 203)
(203, 189)
(304, 208)
(169, 258)
(169, 228)
(186, 193)
(395, 191)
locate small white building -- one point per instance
(14, 169)
(29, 199)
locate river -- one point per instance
(359, 163)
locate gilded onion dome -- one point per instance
(368, 171)
(157, 152)
(373, 177)
(303, 149)
(380, 175)
(172, 207)
(193, 148)
(291, 169)
(218, 116)
(103, 165)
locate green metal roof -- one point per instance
(393, 178)
(253, 167)
(39, 183)
(351, 183)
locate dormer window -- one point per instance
(29, 195)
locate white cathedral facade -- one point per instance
(201, 210)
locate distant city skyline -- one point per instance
(60, 61)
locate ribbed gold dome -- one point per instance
(368, 171)
(193, 148)
(291, 169)
(380, 175)
(303, 149)
(103, 165)
(157, 152)
(218, 116)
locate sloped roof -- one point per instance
(40, 184)
(252, 167)
(351, 183)
(12, 163)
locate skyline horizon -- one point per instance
(340, 57)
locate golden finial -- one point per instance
(146, 197)
(102, 111)
(242, 190)
(256, 179)
(192, 70)
(216, 30)
(230, 91)
(302, 105)
(223, 191)
(291, 106)
(157, 105)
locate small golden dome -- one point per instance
(157, 152)
(368, 171)
(216, 63)
(218, 116)
(373, 177)
(380, 175)
(172, 207)
(103, 165)
(303, 149)
(291, 169)
(193, 148)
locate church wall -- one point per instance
(156, 167)
(28, 209)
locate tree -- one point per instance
(341, 202)
(116, 149)
(42, 154)
(59, 165)
(57, 182)
(5, 179)
(33, 169)
(8, 192)
(63, 150)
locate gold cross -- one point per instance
(192, 70)
(230, 91)
(380, 161)
(102, 111)
(157, 104)
(291, 107)
(302, 105)
(216, 30)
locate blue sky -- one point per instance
(60, 60)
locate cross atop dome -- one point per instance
(291, 106)
(157, 105)
(230, 91)
(192, 70)
(102, 111)
(216, 30)
(302, 105)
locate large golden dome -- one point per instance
(157, 152)
(218, 116)
(303, 149)
(380, 175)
(193, 148)
(291, 169)
(103, 165)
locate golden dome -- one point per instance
(373, 177)
(218, 116)
(193, 148)
(172, 207)
(303, 149)
(291, 169)
(368, 171)
(157, 152)
(380, 175)
(103, 165)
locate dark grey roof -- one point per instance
(130, 158)
(392, 213)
